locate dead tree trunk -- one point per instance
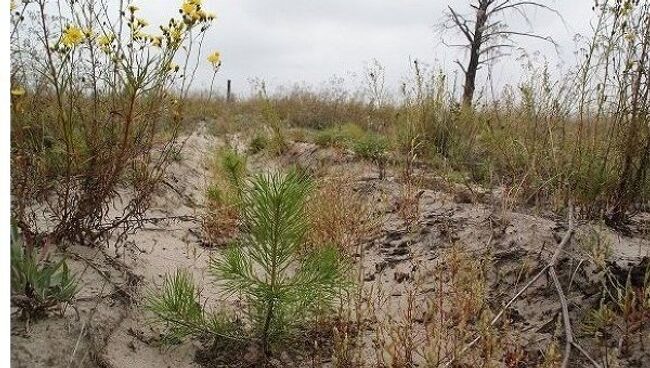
(486, 34)
(475, 53)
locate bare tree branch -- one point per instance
(462, 24)
(519, 4)
(461, 66)
(524, 34)
(497, 46)
(488, 35)
(492, 58)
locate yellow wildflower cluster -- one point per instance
(173, 32)
(137, 25)
(215, 59)
(193, 12)
(105, 41)
(72, 36)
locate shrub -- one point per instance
(374, 148)
(38, 285)
(371, 147)
(283, 286)
(96, 109)
(330, 137)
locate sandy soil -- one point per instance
(110, 329)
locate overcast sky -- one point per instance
(292, 41)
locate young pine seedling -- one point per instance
(283, 285)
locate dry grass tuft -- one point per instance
(340, 216)
(221, 219)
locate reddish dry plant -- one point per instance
(340, 216)
(431, 321)
(408, 202)
(219, 223)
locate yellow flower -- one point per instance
(12, 6)
(188, 8)
(176, 34)
(18, 91)
(192, 12)
(140, 36)
(172, 67)
(214, 58)
(72, 36)
(199, 15)
(105, 40)
(132, 8)
(156, 41)
(141, 22)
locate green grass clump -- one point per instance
(38, 285)
(372, 147)
(228, 173)
(258, 144)
(339, 136)
(328, 138)
(229, 170)
(178, 307)
(214, 194)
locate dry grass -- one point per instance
(541, 157)
(544, 142)
(220, 219)
(340, 216)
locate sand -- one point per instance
(110, 328)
